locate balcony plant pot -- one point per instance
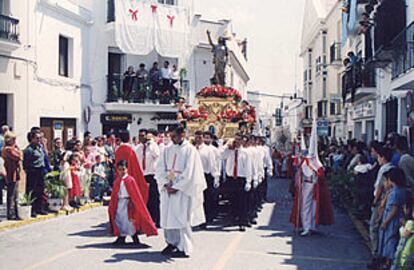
(25, 206)
(55, 204)
(25, 212)
(56, 189)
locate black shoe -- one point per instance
(34, 215)
(248, 225)
(254, 222)
(119, 241)
(168, 249)
(135, 239)
(179, 254)
(18, 218)
(242, 228)
(203, 226)
(43, 213)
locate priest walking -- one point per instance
(181, 183)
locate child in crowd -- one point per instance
(75, 190)
(66, 176)
(393, 213)
(99, 182)
(404, 257)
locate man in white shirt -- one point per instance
(239, 177)
(257, 165)
(267, 169)
(148, 152)
(211, 174)
(181, 183)
(166, 77)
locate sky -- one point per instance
(273, 29)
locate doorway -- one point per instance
(3, 109)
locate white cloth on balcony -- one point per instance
(140, 28)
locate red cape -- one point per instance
(137, 209)
(125, 152)
(324, 209)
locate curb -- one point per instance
(360, 228)
(21, 223)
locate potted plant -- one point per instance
(56, 190)
(25, 206)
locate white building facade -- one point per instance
(321, 53)
(43, 67)
(63, 63)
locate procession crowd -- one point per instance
(141, 174)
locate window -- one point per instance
(168, 2)
(63, 56)
(110, 16)
(333, 108)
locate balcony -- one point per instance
(128, 94)
(358, 82)
(390, 20)
(9, 33)
(403, 58)
(335, 54)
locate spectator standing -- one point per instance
(4, 129)
(175, 83)
(406, 162)
(384, 160)
(57, 154)
(166, 79)
(142, 78)
(34, 165)
(155, 75)
(12, 161)
(2, 178)
(128, 83)
(99, 181)
(393, 213)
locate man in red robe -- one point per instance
(127, 153)
(128, 214)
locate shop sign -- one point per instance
(323, 127)
(364, 110)
(116, 118)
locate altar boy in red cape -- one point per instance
(128, 214)
(127, 153)
(312, 202)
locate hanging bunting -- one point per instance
(154, 8)
(134, 14)
(171, 18)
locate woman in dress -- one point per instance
(75, 190)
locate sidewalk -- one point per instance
(12, 224)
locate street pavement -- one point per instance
(81, 241)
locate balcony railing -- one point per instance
(9, 28)
(403, 58)
(357, 76)
(335, 52)
(130, 89)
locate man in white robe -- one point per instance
(181, 184)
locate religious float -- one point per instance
(221, 111)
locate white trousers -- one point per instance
(308, 207)
(180, 238)
(126, 227)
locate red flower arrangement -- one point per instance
(194, 114)
(219, 91)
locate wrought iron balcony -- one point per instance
(9, 29)
(358, 81)
(403, 48)
(127, 89)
